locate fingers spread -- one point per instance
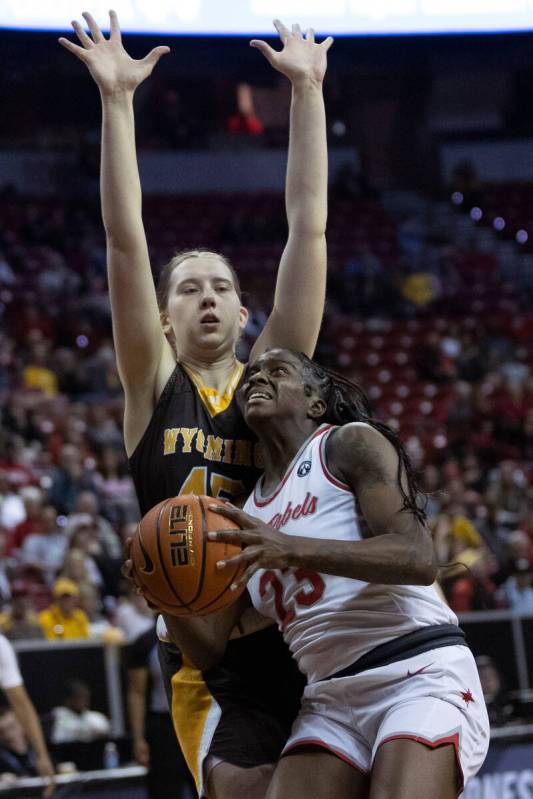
(264, 48)
(114, 27)
(310, 35)
(284, 33)
(231, 512)
(296, 30)
(326, 44)
(154, 55)
(96, 33)
(86, 41)
(248, 573)
(74, 48)
(227, 536)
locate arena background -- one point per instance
(430, 239)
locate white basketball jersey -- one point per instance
(329, 622)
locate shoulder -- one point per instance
(358, 437)
(358, 450)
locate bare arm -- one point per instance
(301, 281)
(25, 712)
(142, 350)
(137, 684)
(399, 549)
(203, 640)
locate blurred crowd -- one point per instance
(67, 502)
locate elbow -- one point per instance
(305, 225)
(426, 574)
(425, 567)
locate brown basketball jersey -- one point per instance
(196, 443)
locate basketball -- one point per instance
(174, 564)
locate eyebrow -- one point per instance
(197, 281)
(276, 361)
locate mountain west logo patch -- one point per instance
(304, 468)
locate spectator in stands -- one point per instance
(21, 621)
(84, 538)
(244, 120)
(499, 706)
(11, 506)
(69, 478)
(508, 492)
(86, 510)
(154, 744)
(132, 615)
(12, 685)
(45, 551)
(429, 360)
(37, 373)
(100, 625)
(78, 566)
(16, 756)
(63, 619)
(116, 486)
(517, 591)
(33, 500)
(74, 720)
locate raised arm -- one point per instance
(142, 350)
(301, 283)
(399, 549)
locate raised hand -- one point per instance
(301, 58)
(110, 65)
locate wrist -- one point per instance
(117, 97)
(306, 83)
(296, 552)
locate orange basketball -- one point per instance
(174, 563)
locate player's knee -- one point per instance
(226, 781)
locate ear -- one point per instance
(316, 408)
(243, 317)
(167, 329)
(165, 322)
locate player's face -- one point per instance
(204, 313)
(274, 388)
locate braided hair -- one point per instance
(347, 402)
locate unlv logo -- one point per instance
(304, 469)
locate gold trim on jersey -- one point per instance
(195, 715)
(214, 400)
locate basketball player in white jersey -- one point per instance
(336, 550)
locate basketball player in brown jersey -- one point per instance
(178, 367)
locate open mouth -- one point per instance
(209, 320)
(258, 396)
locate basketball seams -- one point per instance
(227, 587)
(204, 552)
(219, 596)
(207, 589)
(162, 562)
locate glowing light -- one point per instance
(82, 342)
(499, 223)
(476, 214)
(522, 236)
(457, 198)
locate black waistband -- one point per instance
(406, 646)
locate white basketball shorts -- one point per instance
(433, 698)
